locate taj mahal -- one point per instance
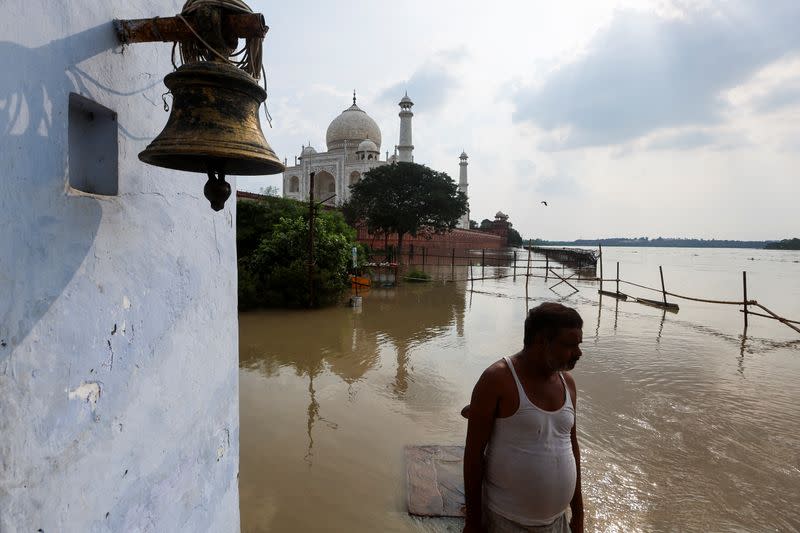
(353, 148)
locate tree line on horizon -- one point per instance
(676, 242)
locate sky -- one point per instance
(671, 118)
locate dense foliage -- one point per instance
(407, 199)
(514, 238)
(272, 241)
(661, 242)
(415, 275)
(785, 244)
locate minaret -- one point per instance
(405, 147)
(462, 186)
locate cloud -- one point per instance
(645, 72)
(692, 139)
(429, 85)
(685, 140)
(559, 185)
(778, 99)
(524, 167)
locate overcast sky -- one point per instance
(648, 118)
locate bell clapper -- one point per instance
(217, 190)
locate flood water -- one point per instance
(684, 424)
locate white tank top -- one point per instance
(530, 470)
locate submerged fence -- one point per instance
(582, 268)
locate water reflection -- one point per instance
(348, 343)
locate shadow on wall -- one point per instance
(47, 229)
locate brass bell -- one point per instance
(213, 127)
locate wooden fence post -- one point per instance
(663, 289)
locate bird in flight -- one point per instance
(545, 203)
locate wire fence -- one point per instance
(581, 266)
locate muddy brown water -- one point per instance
(684, 425)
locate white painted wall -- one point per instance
(118, 324)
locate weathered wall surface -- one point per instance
(462, 239)
(118, 325)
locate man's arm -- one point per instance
(576, 505)
(482, 409)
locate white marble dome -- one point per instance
(367, 146)
(353, 126)
(308, 150)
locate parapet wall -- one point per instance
(460, 239)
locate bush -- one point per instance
(417, 276)
(273, 255)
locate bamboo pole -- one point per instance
(744, 288)
(483, 260)
(564, 280)
(601, 267)
(784, 320)
(528, 270)
(663, 289)
(515, 265)
(311, 241)
(776, 317)
(617, 277)
(471, 279)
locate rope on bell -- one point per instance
(191, 51)
(251, 60)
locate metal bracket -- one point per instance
(173, 29)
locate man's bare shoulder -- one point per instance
(495, 373)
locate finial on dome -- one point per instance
(354, 97)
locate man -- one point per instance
(522, 462)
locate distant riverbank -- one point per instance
(660, 242)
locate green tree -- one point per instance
(785, 244)
(256, 219)
(272, 239)
(269, 190)
(514, 238)
(473, 224)
(486, 224)
(407, 199)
